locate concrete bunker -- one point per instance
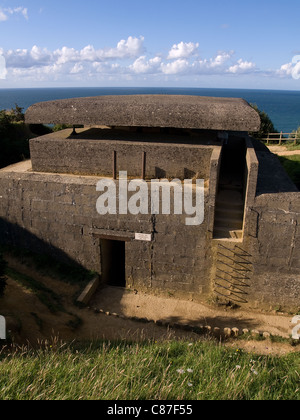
(245, 251)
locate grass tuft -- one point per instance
(145, 371)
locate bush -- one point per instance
(267, 125)
(297, 135)
(14, 134)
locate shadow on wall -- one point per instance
(272, 177)
(13, 235)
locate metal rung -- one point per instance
(232, 259)
(233, 284)
(239, 271)
(237, 299)
(240, 279)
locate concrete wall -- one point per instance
(274, 243)
(57, 214)
(272, 233)
(91, 153)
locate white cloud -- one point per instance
(176, 67)
(215, 65)
(183, 50)
(291, 69)
(22, 10)
(3, 71)
(77, 68)
(142, 65)
(242, 67)
(23, 58)
(126, 61)
(65, 55)
(130, 48)
(3, 16)
(221, 59)
(5, 13)
(133, 47)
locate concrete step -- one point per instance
(225, 206)
(230, 187)
(226, 233)
(229, 213)
(230, 199)
(231, 223)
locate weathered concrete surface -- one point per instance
(91, 153)
(274, 243)
(176, 111)
(56, 214)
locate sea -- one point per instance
(283, 107)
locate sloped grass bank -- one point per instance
(292, 166)
(175, 370)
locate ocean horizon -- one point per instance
(282, 106)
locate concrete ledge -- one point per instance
(92, 153)
(251, 178)
(252, 169)
(88, 292)
(177, 111)
(215, 165)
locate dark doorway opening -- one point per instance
(113, 262)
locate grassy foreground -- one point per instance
(146, 371)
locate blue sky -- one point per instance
(188, 43)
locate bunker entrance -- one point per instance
(230, 200)
(113, 262)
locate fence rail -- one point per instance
(281, 138)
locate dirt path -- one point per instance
(172, 310)
(31, 321)
(282, 151)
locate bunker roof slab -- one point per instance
(175, 111)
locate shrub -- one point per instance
(14, 134)
(267, 125)
(297, 135)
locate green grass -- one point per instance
(146, 371)
(292, 166)
(292, 146)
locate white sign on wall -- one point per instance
(2, 328)
(143, 237)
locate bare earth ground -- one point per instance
(30, 320)
(282, 151)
